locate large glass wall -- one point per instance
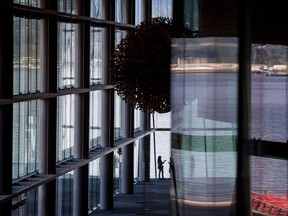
(56, 100)
(204, 125)
(269, 81)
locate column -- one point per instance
(48, 109)
(107, 121)
(144, 148)
(6, 92)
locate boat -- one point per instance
(269, 204)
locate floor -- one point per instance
(149, 198)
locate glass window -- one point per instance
(269, 97)
(65, 126)
(191, 14)
(137, 120)
(96, 9)
(26, 56)
(162, 8)
(138, 12)
(204, 123)
(121, 11)
(136, 159)
(26, 204)
(95, 119)
(66, 55)
(117, 117)
(33, 3)
(25, 138)
(66, 6)
(94, 185)
(64, 204)
(117, 171)
(96, 56)
(269, 88)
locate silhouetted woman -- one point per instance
(160, 167)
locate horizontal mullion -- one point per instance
(40, 13)
(62, 92)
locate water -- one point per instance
(219, 92)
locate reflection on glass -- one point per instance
(95, 119)
(65, 126)
(96, 9)
(25, 138)
(94, 185)
(204, 125)
(96, 56)
(162, 8)
(66, 55)
(121, 11)
(26, 56)
(64, 204)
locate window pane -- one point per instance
(94, 185)
(64, 205)
(66, 6)
(96, 56)
(269, 124)
(25, 138)
(66, 55)
(138, 12)
(26, 56)
(121, 11)
(95, 119)
(117, 117)
(204, 124)
(33, 3)
(28, 204)
(269, 92)
(117, 171)
(162, 8)
(96, 9)
(136, 120)
(65, 130)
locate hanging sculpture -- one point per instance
(140, 66)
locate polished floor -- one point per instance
(149, 198)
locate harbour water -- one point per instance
(269, 122)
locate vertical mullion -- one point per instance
(243, 204)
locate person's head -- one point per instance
(159, 157)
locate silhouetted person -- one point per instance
(160, 167)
